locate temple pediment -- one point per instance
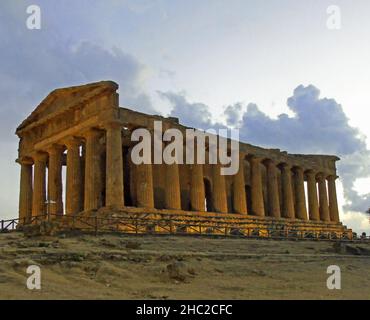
(63, 99)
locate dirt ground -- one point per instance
(165, 267)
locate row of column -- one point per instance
(322, 205)
(32, 200)
(293, 197)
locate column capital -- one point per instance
(55, 148)
(112, 124)
(269, 162)
(91, 132)
(71, 142)
(40, 156)
(332, 177)
(255, 159)
(320, 176)
(310, 172)
(285, 165)
(242, 155)
(24, 160)
(298, 169)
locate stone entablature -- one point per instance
(84, 129)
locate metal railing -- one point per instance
(157, 223)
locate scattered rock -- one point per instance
(44, 244)
(55, 244)
(219, 270)
(116, 257)
(24, 262)
(44, 228)
(107, 243)
(137, 259)
(164, 258)
(343, 248)
(191, 271)
(260, 273)
(77, 257)
(177, 271)
(351, 267)
(133, 245)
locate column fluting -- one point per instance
(25, 192)
(300, 197)
(114, 166)
(74, 177)
(287, 190)
(258, 207)
(55, 187)
(323, 198)
(333, 202)
(272, 189)
(39, 184)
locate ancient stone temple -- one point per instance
(74, 156)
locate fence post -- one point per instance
(96, 225)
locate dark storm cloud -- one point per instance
(233, 114)
(196, 115)
(318, 125)
(34, 62)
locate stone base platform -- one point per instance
(142, 221)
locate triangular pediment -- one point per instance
(65, 98)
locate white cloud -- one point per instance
(318, 125)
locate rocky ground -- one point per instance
(163, 267)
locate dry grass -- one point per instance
(164, 267)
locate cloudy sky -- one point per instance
(271, 68)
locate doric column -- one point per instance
(258, 207)
(144, 186)
(219, 197)
(333, 202)
(239, 196)
(172, 184)
(55, 188)
(114, 163)
(313, 203)
(323, 198)
(25, 191)
(197, 193)
(272, 190)
(173, 195)
(39, 184)
(92, 166)
(300, 197)
(73, 187)
(286, 180)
